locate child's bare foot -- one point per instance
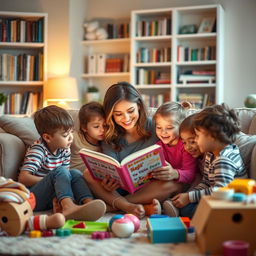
(136, 209)
(122, 204)
(91, 211)
(56, 206)
(153, 208)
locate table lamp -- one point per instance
(60, 91)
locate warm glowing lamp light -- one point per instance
(60, 90)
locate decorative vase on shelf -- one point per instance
(250, 101)
(92, 94)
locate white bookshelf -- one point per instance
(109, 48)
(23, 33)
(196, 43)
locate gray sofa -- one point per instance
(16, 133)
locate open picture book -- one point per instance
(132, 173)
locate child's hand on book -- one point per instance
(165, 173)
(180, 200)
(110, 184)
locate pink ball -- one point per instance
(123, 227)
(134, 219)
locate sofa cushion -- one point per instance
(246, 144)
(22, 127)
(252, 127)
(245, 116)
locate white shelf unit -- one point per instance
(151, 41)
(23, 50)
(101, 77)
(209, 92)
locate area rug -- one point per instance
(137, 244)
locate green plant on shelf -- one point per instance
(92, 94)
(3, 99)
(92, 89)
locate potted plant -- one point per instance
(3, 99)
(92, 94)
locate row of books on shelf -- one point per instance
(20, 30)
(196, 54)
(198, 100)
(155, 101)
(103, 63)
(21, 103)
(198, 76)
(121, 30)
(147, 76)
(23, 67)
(154, 27)
(146, 55)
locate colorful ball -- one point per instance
(134, 219)
(115, 217)
(123, 227)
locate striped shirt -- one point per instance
(40, 161)
(219, 171)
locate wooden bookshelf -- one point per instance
(23, 56)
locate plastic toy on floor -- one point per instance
(124, 225)
(234, 207)
(16, 210)
(85, 227)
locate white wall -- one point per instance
(65, 54)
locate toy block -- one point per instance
(79, 225)
(217, 221)
(166, 230)
(47, 233)
(186, 221)
(63, 232)
(245, 186)
(100, 235)
(35, 234)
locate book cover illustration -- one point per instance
(132, 173)
(100, 169)
(140, 169)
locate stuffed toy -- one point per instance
(16, 210)
(94, 32)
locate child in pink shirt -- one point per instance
(181, 165)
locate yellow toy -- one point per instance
(16, 210)
(245, 186)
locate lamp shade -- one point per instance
(61, 89)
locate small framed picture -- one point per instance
(206, 25)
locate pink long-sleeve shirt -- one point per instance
(181, 160)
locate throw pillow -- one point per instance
(22, 127)
(246, 144)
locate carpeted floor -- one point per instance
(77, 245)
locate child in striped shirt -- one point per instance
(46, 173)
(215, 128)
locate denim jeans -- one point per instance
(60, 183)
(188, 210)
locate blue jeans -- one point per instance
(61, 183)
(188, 210)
